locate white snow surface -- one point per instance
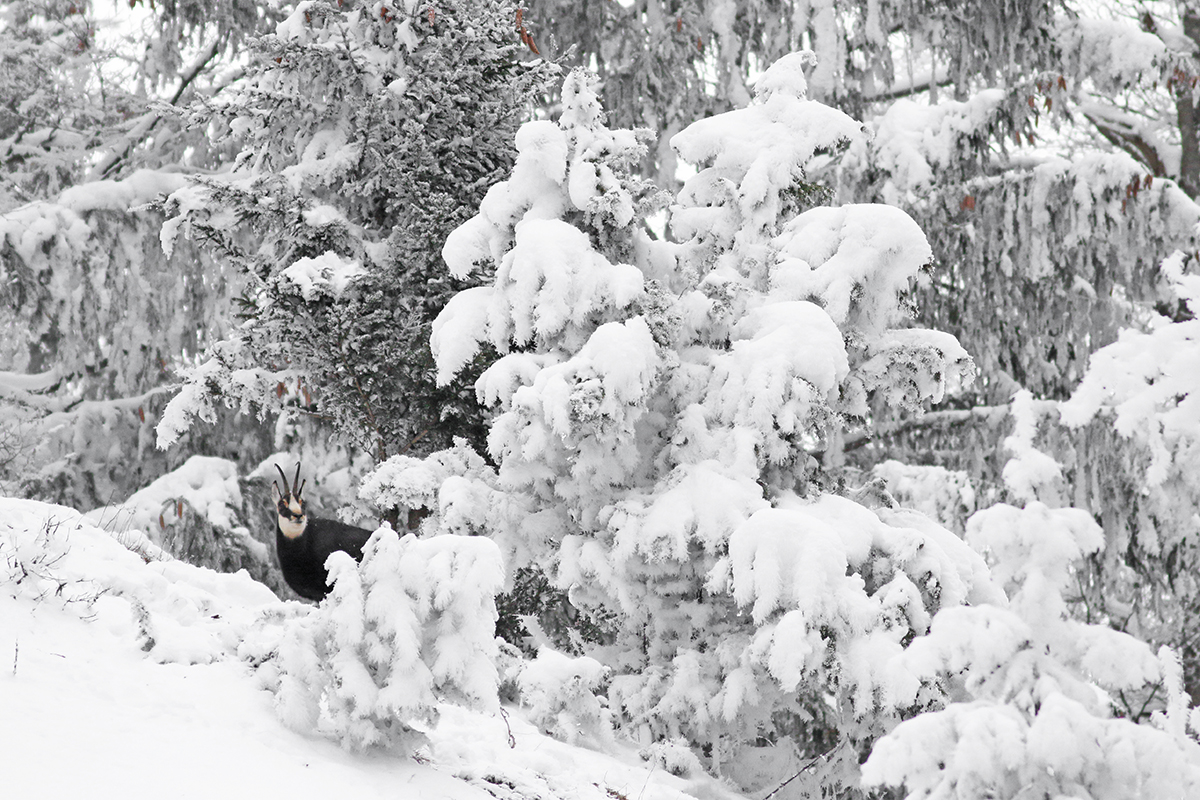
(1150, 381)
(327, 274)
(560, 692)
(126, 682)
(207, 484)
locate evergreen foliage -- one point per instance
(413, 626)
(658, 405)
(1034, 690)
(93, 314)
(369, 133)
(672, 425)
(1050, 152)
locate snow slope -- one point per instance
(119, 678)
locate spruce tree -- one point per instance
(93, 314)
(661, 413)
(368, 133)
(1050, 151)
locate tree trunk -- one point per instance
(1185, 108)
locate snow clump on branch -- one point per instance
(658, 404)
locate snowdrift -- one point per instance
(126, 675)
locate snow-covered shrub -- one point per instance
(660, 407)
(945, 495)
(179, 613)
(673, 756)
(560, 693)
(1033, 715)
(198, 513)
(413, 625)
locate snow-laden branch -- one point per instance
(1133, 135)
(911, 84)
(68, 411)
(943, 419)
(148, 121)
(25, 388)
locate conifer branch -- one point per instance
(133, 403)
(899, 92)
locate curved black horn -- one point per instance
(283, 488)
(296, 482)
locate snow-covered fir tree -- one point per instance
(661, 407)
(1040, 700)
(1035, 691)
(1050, 151)
(93, 314)
(368, 133)
(699, 403)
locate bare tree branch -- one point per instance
(932, 419)
(149, 121)
(1131, 142)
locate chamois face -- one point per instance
(289, 505)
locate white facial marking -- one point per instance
(292, 528)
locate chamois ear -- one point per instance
(276, 495)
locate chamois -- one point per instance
(304, 543)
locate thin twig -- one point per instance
(150, 119)
(414, 440)
(1142, 710)
(806, 768)
(647, 781)
(512, 740)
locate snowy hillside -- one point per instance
(121, 678)
(726, 419)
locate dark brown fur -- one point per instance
(302, 559)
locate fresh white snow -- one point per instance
(85, 711)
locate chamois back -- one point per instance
(303, 543)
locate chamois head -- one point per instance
(289, 504)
